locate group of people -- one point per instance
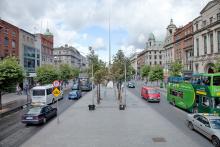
(19, 89)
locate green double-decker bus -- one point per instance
(200, 93)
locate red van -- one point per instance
(150, 94)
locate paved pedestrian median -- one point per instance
(137, 126)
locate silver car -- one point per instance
(206, 124)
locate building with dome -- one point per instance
(154, 52)
(45, 43)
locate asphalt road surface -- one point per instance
(173, 114)
(14, 133)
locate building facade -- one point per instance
(69, 55)
(29, 55)
(140, 61)
(183, 47)
(206, 29)
(154, 54)
(9, 39)
(169, 47)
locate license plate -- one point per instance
(29, 117)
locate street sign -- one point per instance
(56, 92)
(56, 83)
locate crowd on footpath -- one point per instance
(22, 90)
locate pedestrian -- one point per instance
(18, 90)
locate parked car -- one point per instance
(75, 94)
(76, 87)
(131, 84)
(151, 94)
(39, 115)
(206, 124)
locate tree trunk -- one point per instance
(0, 100)
(98, 93)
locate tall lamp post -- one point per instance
(92, 106)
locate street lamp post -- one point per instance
(92, 107)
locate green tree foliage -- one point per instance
(46, 74)
(216, 66)
(156, 73)
(145, 71)
(118, 66)
(75, 72)
(11, 73)
(66, 72)
(176, 68)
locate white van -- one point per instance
(42, 95)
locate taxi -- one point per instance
(207, 124)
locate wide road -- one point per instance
(14, 133)
(175, 115)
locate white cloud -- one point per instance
(67, 18)
(99, 44)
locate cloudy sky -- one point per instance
(83, 23)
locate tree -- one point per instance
(118, 70)
(99, 78)
(145, 71)
(99, 70)
(11, 73)
(176, 68)
(46, 74)
(156, 73)
(65, 72)
(216, 66)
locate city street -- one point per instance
(174, 115)
(14, 133)
(138, 125)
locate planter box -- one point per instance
(121, 107)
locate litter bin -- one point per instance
(161, 85)
(91, 107)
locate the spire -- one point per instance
(171, 21)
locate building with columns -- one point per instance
(169, 47)
(206, 29)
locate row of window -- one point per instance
(155, 63)
(155, 52)
(155, 57)
(204, 22)
(6, 42)
(176, 93)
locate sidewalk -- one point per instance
(136, 126)
(12, 102)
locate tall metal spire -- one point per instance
(109, 35)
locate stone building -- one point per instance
(206, 29)
(154, 52)
(169, 47)
(69, 55)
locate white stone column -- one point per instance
(208, 43)
(215, 42)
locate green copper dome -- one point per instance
(48, 33)
(151, 36)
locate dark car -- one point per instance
(75, 94)
(39, 115)
(131, 85)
